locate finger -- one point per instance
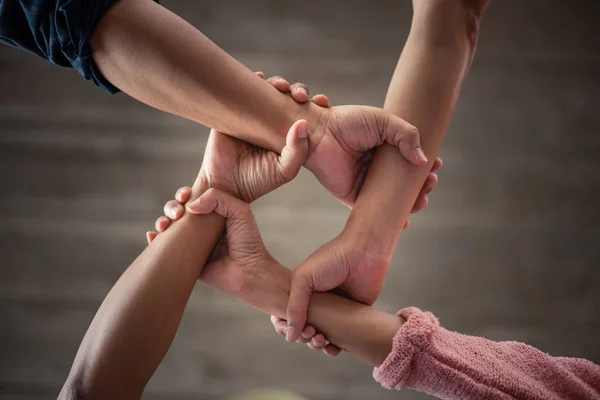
(307, 334)
(150, 236)
(422, 200)
(162, 223)
(260, 74)
(321, 100)
(299, 92)
(280, 84)
(295, 151)
(183, 194)
(421, 203)
(300, 292)
(310, 346)
(437, 164)
(430, 183)
(173, 210)
(318, 342)
(406, 137)
(225, 205)
(280, 325)
(332, 350)
(240, 226)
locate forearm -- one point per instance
(361, 330)
(137, 321)
(424, 91)
(158, 58)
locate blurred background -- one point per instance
(508, 248)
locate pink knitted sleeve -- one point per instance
(430, 359)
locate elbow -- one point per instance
(71, 390)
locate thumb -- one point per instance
(236, 212)
(405, 136)
(297, 309)
(295, 151)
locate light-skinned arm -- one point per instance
(424, 91)
(409, 349)
(158, 58)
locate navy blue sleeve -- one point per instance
(56, 30)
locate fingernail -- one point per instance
(306, 335)
(302, 130)
(284, 330)
(292, 333)
(420, 154)
(170, 213)
(302, 90)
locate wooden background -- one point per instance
(508, 248)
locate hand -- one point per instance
(339, 264)
(240, 261)
(247, 171)
(354, 271)
(229, 273)
(341, 155)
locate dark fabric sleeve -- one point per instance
(56, 30)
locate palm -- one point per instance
(236, 256)
(222, 272)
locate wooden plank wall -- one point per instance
(508, 248)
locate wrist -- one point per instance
(267, 288)
(283, 117)
(373, 241)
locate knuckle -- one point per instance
(412, 133)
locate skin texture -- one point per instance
(158, 58)
(247, 172)
(359, 329)
(424, 90)
(138, 319)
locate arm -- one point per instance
(161, 60)
(138, 319)
(424, 90)
(411, 349)
(158, 58)
(361, 330)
